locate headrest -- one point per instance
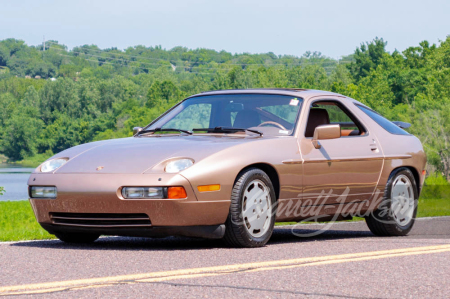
(317, 117)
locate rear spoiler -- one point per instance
(402, 124)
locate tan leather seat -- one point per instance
(317, 117)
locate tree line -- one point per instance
(53, 98)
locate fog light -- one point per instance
(43, 192)
(143, 192)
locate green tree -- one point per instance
(31, 98)
(368, 56)
(434, 131)
(19, 138)
(161, 93)
(59, 97)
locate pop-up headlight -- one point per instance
(178, 165)
(52, 165)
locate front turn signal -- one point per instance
(207, 188)
(176, 193)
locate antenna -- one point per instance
(43, 48)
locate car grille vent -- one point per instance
(100, 219)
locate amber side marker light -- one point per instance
(207, 188)
(176, 193)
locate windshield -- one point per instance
(270, 114)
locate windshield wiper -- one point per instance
(226, 130)
(164, 130)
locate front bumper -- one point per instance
(97, 194)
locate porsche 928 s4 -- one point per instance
(229, 164)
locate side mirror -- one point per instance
(137, 130)
(326, 132)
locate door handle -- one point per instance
(373, 147)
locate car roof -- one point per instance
(296, 92)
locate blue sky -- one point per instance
(334, 28)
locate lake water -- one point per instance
(14, 179)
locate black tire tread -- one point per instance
(383, 229)
(234, 234)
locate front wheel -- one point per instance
(396, 214)
(252, 212)
(78, 238)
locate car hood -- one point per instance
(141, 154)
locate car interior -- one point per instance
(329, 112)
(247, 119)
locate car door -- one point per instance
(344, 169)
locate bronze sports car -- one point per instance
(228, 164)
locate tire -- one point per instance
(77, 238)
(395, 217)
(245, 225)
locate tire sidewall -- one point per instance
(249, 176)
(388, 201)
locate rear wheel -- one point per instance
(252, 212)
(78, 238)
(396, 214)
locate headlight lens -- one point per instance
(43, 192)
(143, 192)
(178, 165)
(53, 164)
(154, 192)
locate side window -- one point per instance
(383, 122)
(329, 112)
(194, 116)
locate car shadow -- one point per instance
(290, 234)
(280, 236)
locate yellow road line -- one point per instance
(48, 287)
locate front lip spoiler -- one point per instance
(200, 231)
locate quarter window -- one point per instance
(383, 122)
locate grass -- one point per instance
(17, 222)
(433, 207)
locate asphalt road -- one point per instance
(346, 261)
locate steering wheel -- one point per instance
(275, 124)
